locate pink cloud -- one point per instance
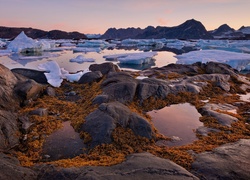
(163, 22)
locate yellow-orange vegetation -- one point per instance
(125, 141)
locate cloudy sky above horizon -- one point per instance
(96, 16)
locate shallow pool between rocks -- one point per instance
(63, 143)
(178, 122)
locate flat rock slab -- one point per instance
(11, 169)
(137, 166)
(230, 161)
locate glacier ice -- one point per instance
(239, 61)
(81, 59)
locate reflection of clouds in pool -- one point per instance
(63, 143)
(177, 120)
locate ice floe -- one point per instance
(55, 74)
(132, 58)
(23, 43)
(5, 52)
(94, 43)
(239, 61)
(86, 49)
(81, 59)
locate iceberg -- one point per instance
(239, 61)
(22, 43)
(132, 58)
(2, 44)
(55, 74)
(68, 44)
(81, 59)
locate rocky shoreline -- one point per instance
(107, 107)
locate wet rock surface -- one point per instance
(104, 68)
(137, 166)
(229, 161)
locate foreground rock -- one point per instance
(137, 166)
(11, 169)
(101, 123)
(230, 161)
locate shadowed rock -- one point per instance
(7, 82)
(90, 77)
(11, 169)
(37, 76)
(223, 119)
(104, 68)
(137, 166)
(28, 90)
(229, 161)
(101, 123)
(8, 130)
(120, 86)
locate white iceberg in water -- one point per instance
(239, 61)
(81, 59)
(2, 44)
(23, 43)
(55, 74)
(94, 44)
(132, 58)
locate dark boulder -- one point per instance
(37, 76)
(28, 90)
(39, 112)
(101, 123)
(50, 91)
(229, 161)
(8, 130)
(90, 77)
(120, 86)
(151, 87)
(12, 170)
(104, 68)
(102, 98)
(100, 126)
(137, 166)
(219, 68)
(8, 80)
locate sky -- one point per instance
(96, 16)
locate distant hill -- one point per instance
(11, 32)
(226, 32)
(190, 29)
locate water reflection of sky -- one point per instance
(19, 61)
(177, 120)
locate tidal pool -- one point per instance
(63, 143)
(177, 121)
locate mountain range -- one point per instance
(11, 32)
(191, 29)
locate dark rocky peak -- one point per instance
(12, 32)
(222, 29)
(121, 33)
